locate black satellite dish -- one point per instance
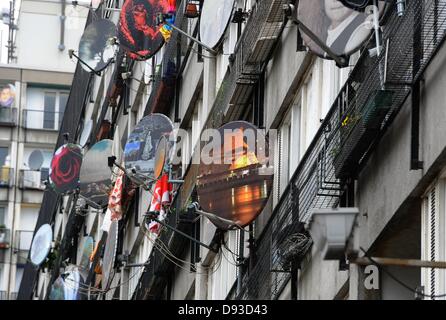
(359, 5)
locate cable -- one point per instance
(416, 292)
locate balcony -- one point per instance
(5, 296)
(8, 116)
(22, 244)
(6, 177)
(33, 179)
(5, 238)
(42, 120)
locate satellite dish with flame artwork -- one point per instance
(138, 31)
(235, 180)
(341, 28)
(65, 168)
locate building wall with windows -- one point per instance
(303, 102)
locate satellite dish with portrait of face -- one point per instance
(35, 160)
(138, 31)
(214, 20)
(235, 177)
(41, 244)
(7, 95)
(96, 47)
(341, 28)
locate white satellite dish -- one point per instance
(41, 244)
(86, 132)
(35, 160)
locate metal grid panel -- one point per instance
(315, 183)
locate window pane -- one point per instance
(3, 154)
(2, 215)
(49, 110)
(63, 98)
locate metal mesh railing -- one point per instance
(365, 107)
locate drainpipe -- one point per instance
(62, 27)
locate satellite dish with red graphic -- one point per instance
(138, 31)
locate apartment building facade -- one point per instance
(367, 135)
(37, 83)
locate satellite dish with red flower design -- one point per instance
(65, 168)
(138, 31)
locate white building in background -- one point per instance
(40, 79)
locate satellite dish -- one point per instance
(87, 250)
(160, 157)
(96, 47)
(7, 95)
(58, 289)
(73, 282)
(86, 132)
(109, 254)
(138, 30)
(95, 175)
(65, 168)
(235, 182)
(35, 160)
(41, 244)
(357, 4)
(214, 20)
(140, 149)
(341, 28)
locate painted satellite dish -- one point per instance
(7, 95)
(65, 168)
(86, 132)
(140, 149)
(160, 157)
(96, 47)
(87, 250)
(357, 4)
(35, 160)
(58, 289)
(214, 20)
(95, 175)
(109, 254)
(41, 244)
(138, 31)
(342, 29)
(235, 176)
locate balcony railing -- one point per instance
(5, 296)
(22, 245)
(42, 120)
(8, 116)
(364, 109)
(6, 177)
(5, 238)
(33, 179)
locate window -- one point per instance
(433, 244)
(2, 215)
(45, 108)
(287, 153)
(3, 154)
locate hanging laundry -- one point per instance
(161, 200)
